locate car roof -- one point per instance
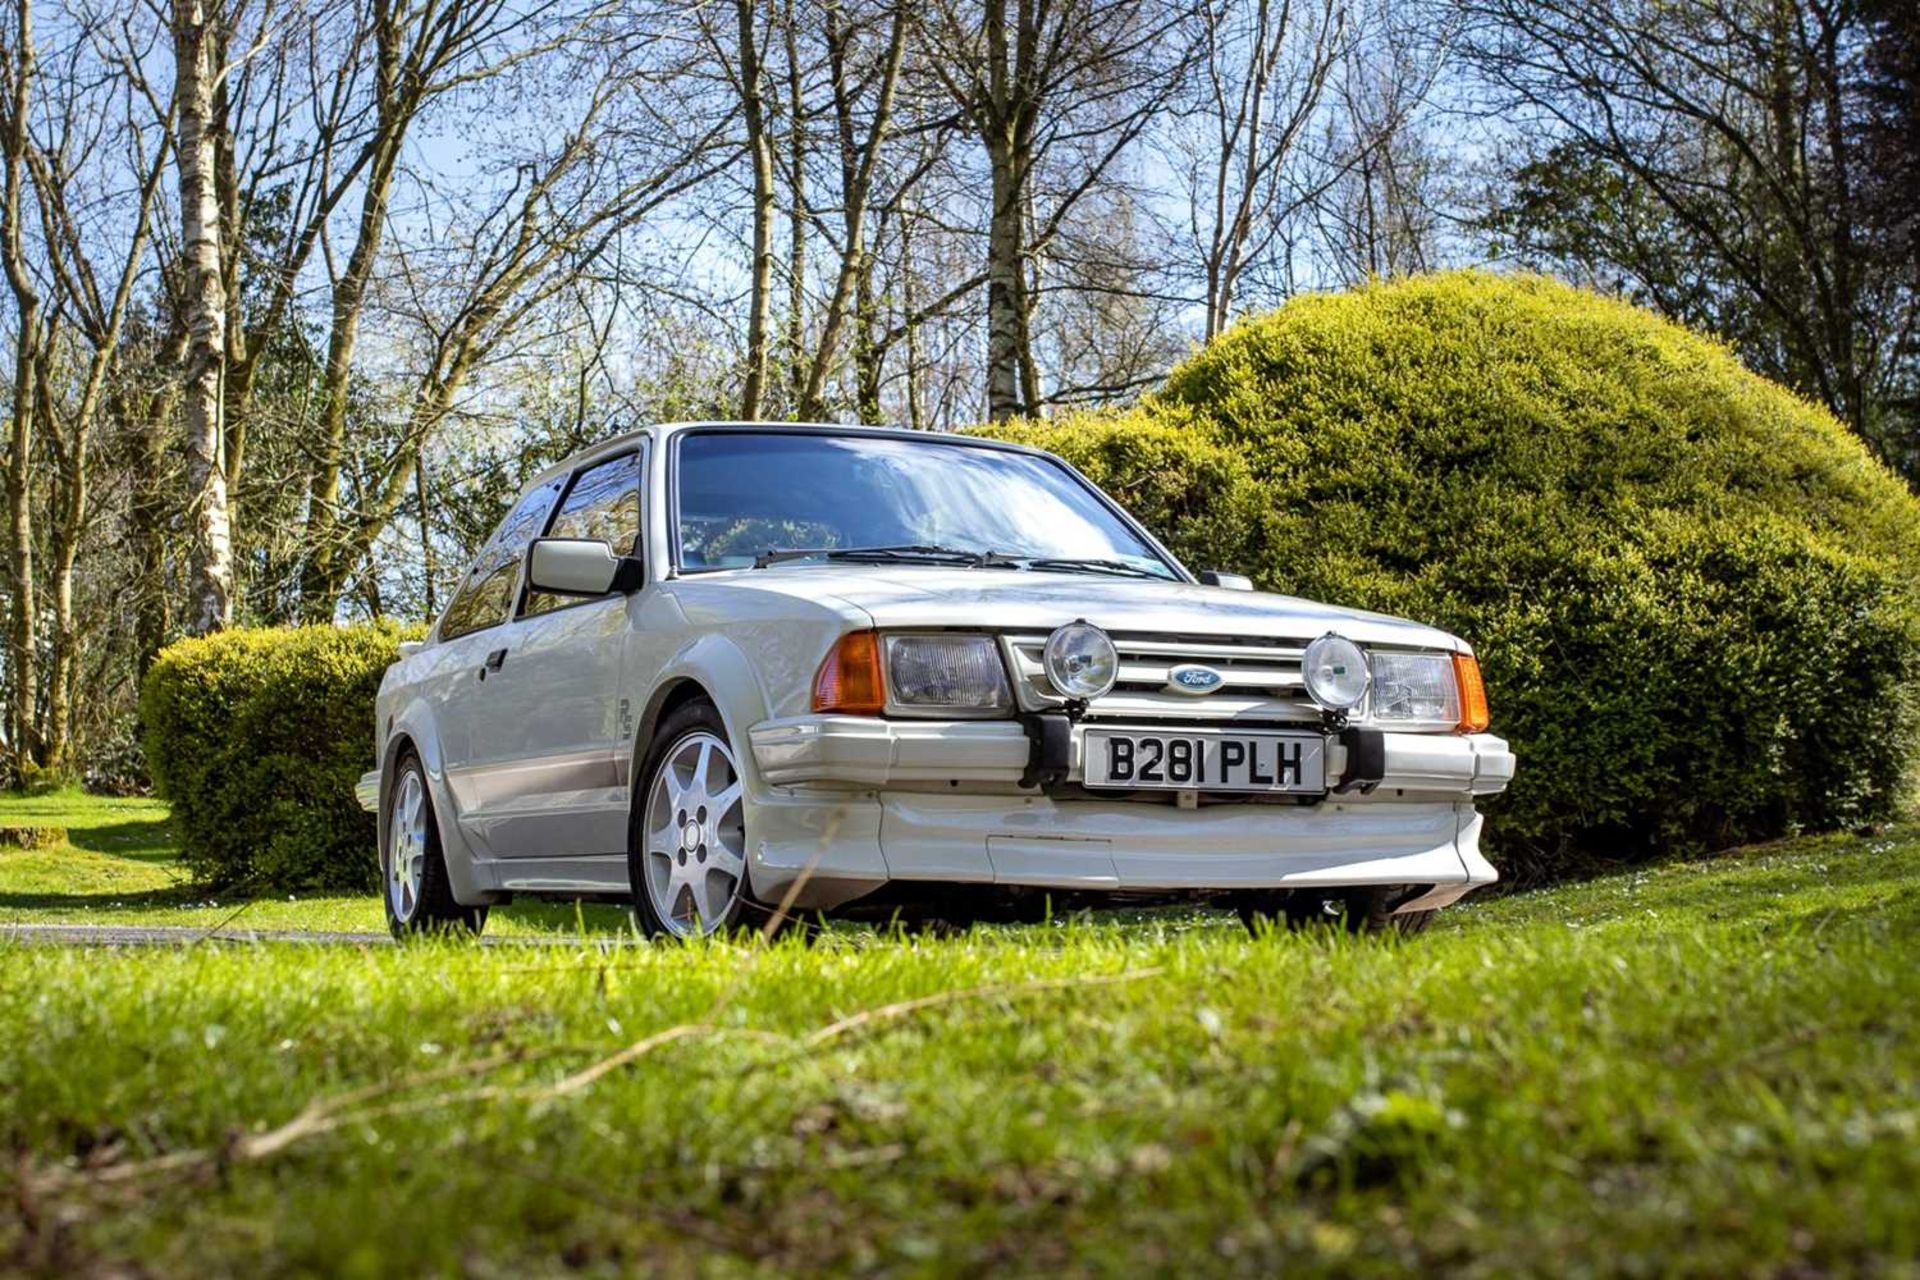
(664, 431)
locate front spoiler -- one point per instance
(831, 846)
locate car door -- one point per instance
(471, 644)
(555, 707)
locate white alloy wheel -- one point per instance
(695, 854)
(406, 860)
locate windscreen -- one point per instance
(745, 494)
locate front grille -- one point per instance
(1260, 680)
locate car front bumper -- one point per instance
(855, 803)
(868, 752)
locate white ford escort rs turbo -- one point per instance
(723, 672)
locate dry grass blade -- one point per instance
(587, 1077)
(920, 1004)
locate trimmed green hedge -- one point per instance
(1692, 593)
(257, 737)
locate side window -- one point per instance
(604, 505)
(487, 593)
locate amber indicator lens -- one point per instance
(849, 680)
(1473, 694)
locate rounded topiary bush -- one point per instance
(1693, 594)
(256, 738)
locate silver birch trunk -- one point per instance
(209, 603)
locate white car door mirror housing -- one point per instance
(1231, 581)
(579, 567)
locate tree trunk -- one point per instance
(396, 106)
(72, 442)
(1826, 70)
(796, 339)
(152, 615)
(1031, 395)
(238, 353)
(29, 335)
(24, 684)
(1005, 119)
(760, 149)
(209, 603)
(867, 352)
(66, 547)
(908, 304)
(426, 533)
(1006, 287)
(853, 283)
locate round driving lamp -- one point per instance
(1080, 660)
(1335, 672)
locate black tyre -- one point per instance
(1359, 910)
(1371, 911)
(413, 869)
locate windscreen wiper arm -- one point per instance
(1075, 564)
(903, 552)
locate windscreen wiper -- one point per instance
(904, 553)
(1075, 564)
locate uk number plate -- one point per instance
(1286, 762)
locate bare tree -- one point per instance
(96, 283)
(1042, 81)
(1262, 72)
(1381, 214)
(83, 177)
(557, 221)
(422, 52)
(860, 151)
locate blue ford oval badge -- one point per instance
(1194, 679)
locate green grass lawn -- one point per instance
(1703, 1068)
(119, 867)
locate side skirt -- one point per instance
(604, 875)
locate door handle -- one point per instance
(494, 662)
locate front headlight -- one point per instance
(1415, 688)
(956, 675)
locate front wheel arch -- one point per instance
(413, 730)
(435, 908)
(667, 699)
(714, 669)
